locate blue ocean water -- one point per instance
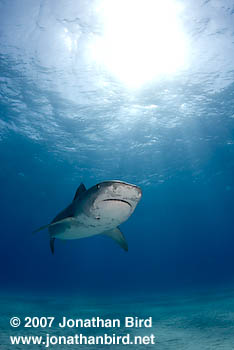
(79, 104)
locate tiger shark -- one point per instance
(98, 210)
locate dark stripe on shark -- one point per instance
(117, 200)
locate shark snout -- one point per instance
(118, 190)
(136, 191)
(139, 192)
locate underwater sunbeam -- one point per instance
(141, 39)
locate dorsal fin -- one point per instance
(81, 189)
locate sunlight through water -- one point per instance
(141, 40)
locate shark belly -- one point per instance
(82, 226)
(105, 217)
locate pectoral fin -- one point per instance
(68, 219)
(118, 237)
(41, 228)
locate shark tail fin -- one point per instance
(52, 245)
(118, 237)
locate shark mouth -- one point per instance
(117, 200)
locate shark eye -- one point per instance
(98, 186)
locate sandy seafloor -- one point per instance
(190, 321)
